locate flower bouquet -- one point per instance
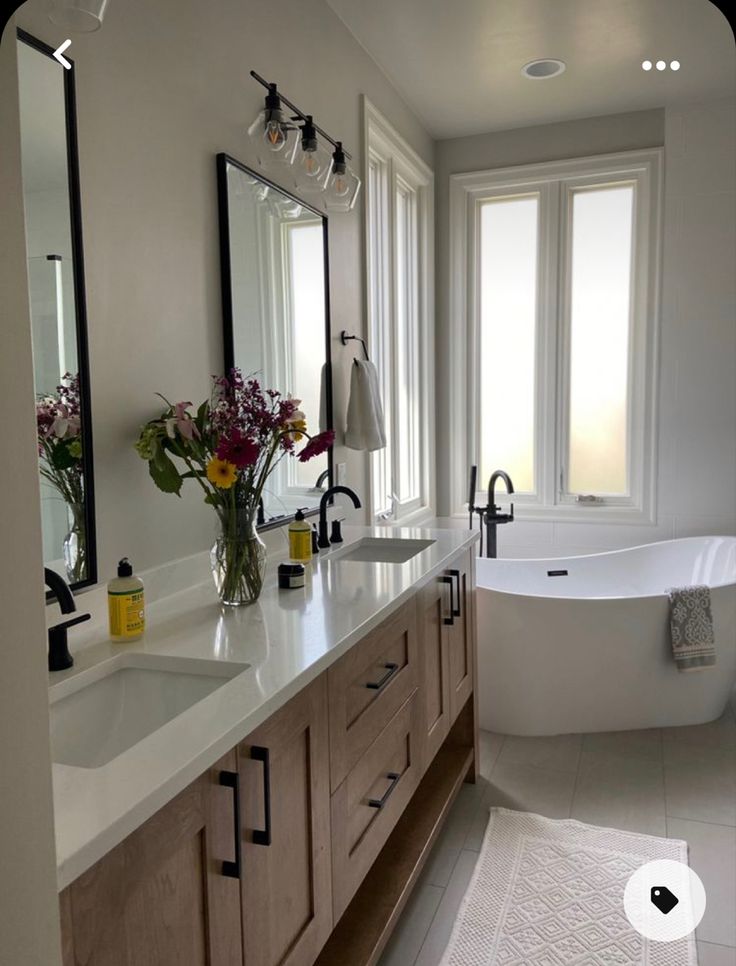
(230, 446)
(59, 427)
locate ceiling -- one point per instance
(457, 62)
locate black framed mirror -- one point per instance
(50, 169)
(276, 315)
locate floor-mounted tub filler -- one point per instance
(582, 644)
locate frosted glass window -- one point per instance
(407, 348)
(599, 339)
(508, 325)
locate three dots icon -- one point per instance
(660, 65)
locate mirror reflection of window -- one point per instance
(279, 313)
(46, 158)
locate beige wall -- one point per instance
(28, 908)
(161, 88)
(696, 471)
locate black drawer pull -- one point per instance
(458, 612)
(231, 779)
(380, 802)
(391, 669)
(451, 619)
(263, 836)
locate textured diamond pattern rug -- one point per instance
(550, 893)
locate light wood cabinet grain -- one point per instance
(160, 898)
(287, 883)
(433, 609)
(461, 635)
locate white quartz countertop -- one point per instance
(288, 638)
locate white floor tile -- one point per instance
(711, 955)
(404, 945)
(716, 739)
(646, 745)
(490, 748)
(451, 841)
(713, 857)
(702, 789)
(558, 752)
(618, 792)
(439, 932)
(527, 788)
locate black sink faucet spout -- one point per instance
(59, 657)
(323, 539)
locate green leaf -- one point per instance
(165, 474)
(61, 457)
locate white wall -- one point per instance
(29, 916)
(161, 88)
(697, 379)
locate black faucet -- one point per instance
(492, 514)
(59, 657)
(321, 479)
(322, 539)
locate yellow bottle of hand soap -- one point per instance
(300, 538)
(126, 604)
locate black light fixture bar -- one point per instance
(298, 111)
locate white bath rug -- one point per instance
(550, 893)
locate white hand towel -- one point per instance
(365, 429)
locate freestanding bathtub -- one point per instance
(582, 644)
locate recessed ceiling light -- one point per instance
(543, 69)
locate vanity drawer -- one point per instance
(367, 805)
(367, 687)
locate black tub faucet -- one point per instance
(323, 539)
(493, 515)
(59, 657)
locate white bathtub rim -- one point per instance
(559, 562)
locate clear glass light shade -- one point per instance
(311, 167)
(273, 138)
(81, 16)
(341, 189)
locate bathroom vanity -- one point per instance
(283, 818)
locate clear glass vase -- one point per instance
(74, 545)
(238, 560)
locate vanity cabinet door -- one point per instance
(160, 898)
(433, 608)
(285, 828)
(461, 634)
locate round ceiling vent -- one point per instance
(543, 69)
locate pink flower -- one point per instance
(238, 449)
(181, 421)
(317, 444)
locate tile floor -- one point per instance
(677, 782)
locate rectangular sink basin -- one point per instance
(102, 712)
(385, 549)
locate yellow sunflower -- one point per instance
(222, 473)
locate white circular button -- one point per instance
(664, 900)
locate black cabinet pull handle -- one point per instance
(380, 802)
(263, 836)
(458, 612)
(231, 779)
(448, 580)
(391, 669)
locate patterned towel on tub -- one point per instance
(691, 628)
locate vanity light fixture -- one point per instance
(315, 169)
(82, 16)
(543, 69)
(342, 185)
(274, 137)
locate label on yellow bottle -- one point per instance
(300, 544)
(127, 614)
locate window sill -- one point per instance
(630, 516)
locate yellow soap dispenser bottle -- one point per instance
(300, 538)
(126, 605)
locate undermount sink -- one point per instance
(100, 713)
(384, 549)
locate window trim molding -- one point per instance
(380, 138)
(465, 191)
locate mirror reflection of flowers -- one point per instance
(230, 446)
(59, 432)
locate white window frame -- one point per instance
(401, 167)
(555, 183)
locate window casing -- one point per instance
(400, 306)
(587, 301)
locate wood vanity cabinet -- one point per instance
(461, 633)
(285, 829)
(160, 898)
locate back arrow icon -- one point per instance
(58, 54)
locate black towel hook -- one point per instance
(345, 338)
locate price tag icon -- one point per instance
(663, 899)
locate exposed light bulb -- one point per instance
(340, 185)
